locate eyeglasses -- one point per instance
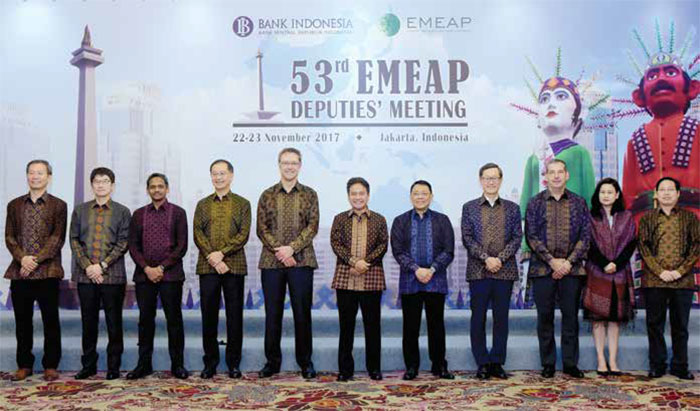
(490, 179)
(290, 163)
(105, 181)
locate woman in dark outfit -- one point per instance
(608, 299)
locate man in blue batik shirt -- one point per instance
(422, 241)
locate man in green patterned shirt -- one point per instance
(221, 229)
(287, 223)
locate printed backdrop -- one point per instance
(391, 91)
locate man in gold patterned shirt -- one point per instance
(669, 242)
(221, 230)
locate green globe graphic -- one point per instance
(390, 24)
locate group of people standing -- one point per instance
(577, 255)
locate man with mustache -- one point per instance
(667, 146)
(157, 244)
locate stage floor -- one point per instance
(524, 390)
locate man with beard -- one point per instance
(157, 244)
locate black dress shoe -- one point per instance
(446, 375)
(573, 372)
(496, 370)
(656, 373)
(410, 374)
(683, 375)
(344, 377)
(548, 371)
(180, 372)
(442, 373)
(268, 371)
(139, 372)
(615, 373)
(207, 373)
(112, 375)
(376, 375)
(482, 373)
(235, 373)
(85, 373)
(308, 372)
(604, 373)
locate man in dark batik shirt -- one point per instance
(287, 224)
(423, 243)
(491, 233)
(221, 230)
(157, 244)
(557, 229)
(99, 238)
(34, 233)
(359, 239)
(669, 242)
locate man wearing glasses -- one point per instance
(491, 233)
(287, 223)
(99, 238)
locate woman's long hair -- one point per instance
(618, 205)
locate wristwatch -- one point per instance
(103, 265)
(432, 270)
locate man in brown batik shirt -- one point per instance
(359, 239)
(287, 223)
(34, 233)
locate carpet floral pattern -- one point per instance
(524, 390)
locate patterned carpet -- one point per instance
(525, 390)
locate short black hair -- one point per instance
(422, 183)
(556, 160)
(357, 180)
(102, 171)
(618, 205)
(675, 182)
(49, 170)
(229, 166)
(488, 166)
(157, 175)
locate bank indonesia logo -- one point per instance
(390, 24)
(242, 26)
